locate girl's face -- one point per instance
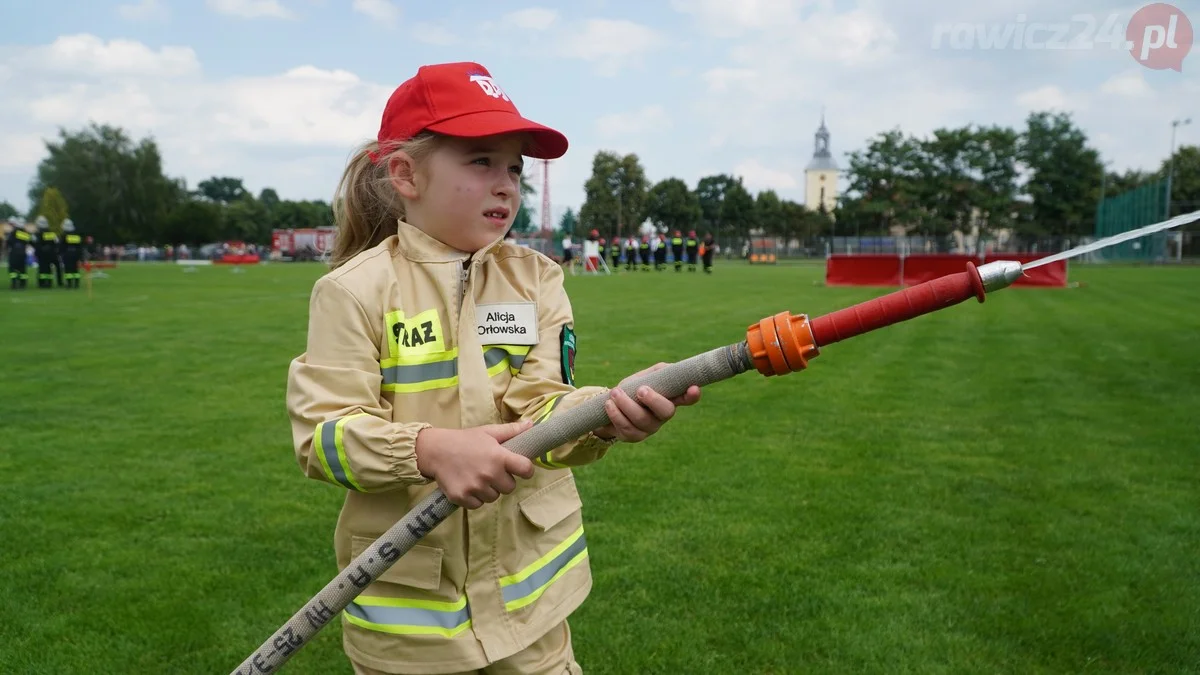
(467, 192)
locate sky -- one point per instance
(279, 92)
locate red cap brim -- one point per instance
(547, 143)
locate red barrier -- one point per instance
(1054, 274)
(98, 265)
(924, 267)
(237, 260)
(862, 270)
(890, 270)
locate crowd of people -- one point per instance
(645, 253)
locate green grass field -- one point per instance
(1011, 487)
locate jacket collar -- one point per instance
(417, 246)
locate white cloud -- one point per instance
(651, 118)
(432, 34)
(723, 18)
(87, 55)
(610, 44)
(143, 11)
(871, 67)
(251, 9)
(1130, 83)
(757, 177)
(1047, 97)
(292, 130)
(531, 18)
(384, 11)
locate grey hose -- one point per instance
(700, 370)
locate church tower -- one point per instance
(821, 174)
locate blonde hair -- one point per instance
(366, 205)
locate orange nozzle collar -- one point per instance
(781, 344)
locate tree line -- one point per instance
(1043, 180)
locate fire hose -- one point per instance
(776, 345)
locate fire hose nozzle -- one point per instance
(999, 274)
(781, 344)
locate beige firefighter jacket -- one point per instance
(412, 334)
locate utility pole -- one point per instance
(1171, 161)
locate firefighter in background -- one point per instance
(677, 250)
(590, 262)
(644, 251)
(71, 252)
(631, 253)
(660, 252)
(707, 253)
(19, 243)
(692, 244)
(47, 253)
(614, 253)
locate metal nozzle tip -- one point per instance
(999, 274)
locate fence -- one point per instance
(1130, 210)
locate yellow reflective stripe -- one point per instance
(401, 616)
(546, 459)
(547, 408)
(526, 586)
(417, 359)
(420, 372)
(546, 462)
(327, 442)
(496, 355)
(341, 449)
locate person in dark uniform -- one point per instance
(614, 253)
(644, 250)
(47, 253)
(677, 250)
(18, 242)
(660, 252)
(71, 252)
(692, 244)
(708, 252)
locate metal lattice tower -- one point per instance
(546, 196)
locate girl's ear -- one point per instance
(403, 176)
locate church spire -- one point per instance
(822, 159)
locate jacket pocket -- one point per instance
(550, 505)
(420, 568)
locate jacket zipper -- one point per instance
(463, 273)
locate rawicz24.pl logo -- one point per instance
(1158, 36)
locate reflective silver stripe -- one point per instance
(495, 355)
(543, 576)
(420, 372)
(409, 616)
(330, 450)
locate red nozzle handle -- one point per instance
(899, 306)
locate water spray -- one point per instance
(777, 345)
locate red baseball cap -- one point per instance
(461, 99)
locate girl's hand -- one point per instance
(632, 420)
(470, 465)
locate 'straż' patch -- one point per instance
(414, 335)
(507, 323)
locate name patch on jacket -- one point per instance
(420, 333)
(507, 323)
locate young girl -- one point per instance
(431, 342)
